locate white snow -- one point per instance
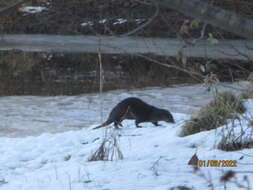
(88, 23)
(155, 158)
(120, 21)
(32, 9)
(103, 21)
(140, 20)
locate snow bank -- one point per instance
(155, 158)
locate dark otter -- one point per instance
(135, 108)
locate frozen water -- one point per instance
(34, 115)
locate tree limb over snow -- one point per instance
(213, 15)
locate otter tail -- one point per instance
(104, 124)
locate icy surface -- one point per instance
(30, 115)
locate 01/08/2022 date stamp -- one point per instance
(217, 163)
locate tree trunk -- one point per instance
(213, 15)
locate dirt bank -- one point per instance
(108, 17)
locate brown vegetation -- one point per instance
(223, 107)
(108, 150)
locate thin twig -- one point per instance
(100, 78)
(193, 74)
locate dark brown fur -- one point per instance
(135, 108)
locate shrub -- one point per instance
(227, 144)
(224, 106)
(108, 150)
(237, 135)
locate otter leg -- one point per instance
(156, 123)
(117, 124)
(137, 124)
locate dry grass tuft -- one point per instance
(224, 106)
(181, 187)
(237, 135)
(227, 145)
(108, 150)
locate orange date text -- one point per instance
(217, 163)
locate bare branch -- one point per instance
(193, 74)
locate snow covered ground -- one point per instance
(155, 158)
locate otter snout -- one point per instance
(171, 119)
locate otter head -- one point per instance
(167, 116)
